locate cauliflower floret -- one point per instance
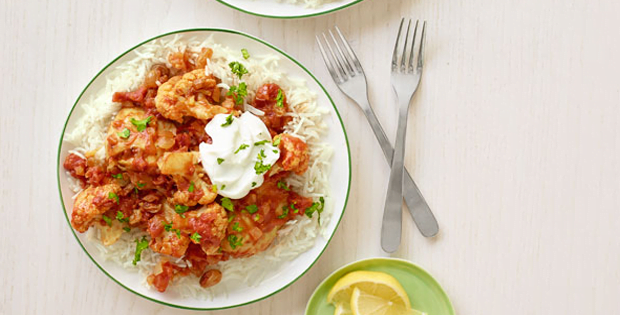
(91, 203)
(193, 95)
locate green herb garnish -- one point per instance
(245, 53)
(168, 227)
(191, 187)
(124, 134)
(261, 142)
(140, 246)
(219, 161)
(261, 168)
(121, 217)
(316, 207)
(237, 68)
(276, 141)
(238, 92)
(282, 185)
(141, 124)
(243, 146)
(253, 184)
(236, 227)
(196, 237)
(252, 208)
(257, 217)
(234, 241)
(127, 229)
(280, 99)
(107, 220)
(229, 120)
(284, 213)
(114, 196)
(118, 176)
(180, 209)
(140, 185)
(227, 204)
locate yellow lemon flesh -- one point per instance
(372, 283)
(363, 303)
(343, 309)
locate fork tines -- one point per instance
(400, 60)
(342, 62)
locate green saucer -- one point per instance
(424, 292)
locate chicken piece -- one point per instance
(91, 203)
(259, 216)
(189, 95)
(245, 238)
(293, 154)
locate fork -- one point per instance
(405, 80)
(346, 70)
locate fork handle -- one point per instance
(392, 212)
(418, 208)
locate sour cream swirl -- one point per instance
(239, 155)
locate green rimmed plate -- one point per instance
(281, 10)
(286, 273)
(424, 291)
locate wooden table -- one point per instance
(513, 139)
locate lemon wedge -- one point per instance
(372, 283)
(343, 309)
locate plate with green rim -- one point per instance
(277, 279)
(281, 9)
(424, 291)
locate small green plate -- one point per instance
(424, 292)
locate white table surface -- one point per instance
(513, 139)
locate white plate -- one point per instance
(280, 9)
(287, 273)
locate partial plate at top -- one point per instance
(284, 10)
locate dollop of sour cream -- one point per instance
(240, 154)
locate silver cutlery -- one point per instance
(405, 79)
(346, 70)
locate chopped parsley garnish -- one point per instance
(230, 218)
(245, 53)
(295, 210)
(219, 161)
(253, 184)
(276, 141)
(124, 134)
(280, 99)
(316, 207)
(261, 142)
(252, 208)
(284, 213)
(114, 196)
(243, 146)
(234, 241)
(236, 227)
(127, 229)
(140, 246)
(191, 187)
(282, 185)
(223, 187)
(178, 232)
(261, 168)
(118, 176)
(257, 217)
(180, 209)
(229, 120)
(141, 124)
(237, 68)
(196, 237)
(168, 227)
(275, 151)
(214, 188)
(107, 220)
(140, 185)
(262, 154)
(238, 92)
(121, 217)
(227, 204)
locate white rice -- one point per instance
(295, 237)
